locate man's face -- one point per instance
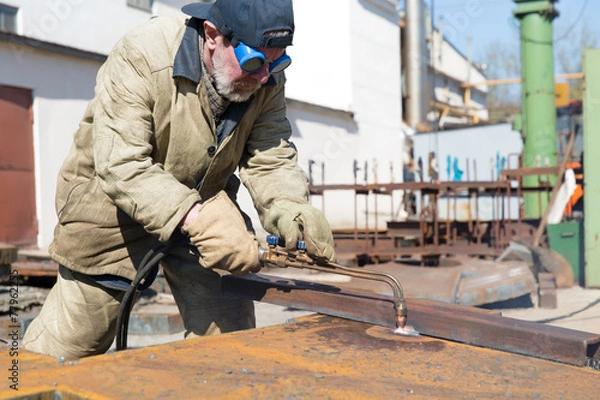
(230, 80)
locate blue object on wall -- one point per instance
(458, 173)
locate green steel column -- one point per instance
(591, 166)
(539, 110)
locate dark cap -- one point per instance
(256, 23)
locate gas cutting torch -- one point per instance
(277, 255)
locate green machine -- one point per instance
(538, 127)
(539, 111)
(591, 164)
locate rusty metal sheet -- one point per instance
(432, 318)
(499, 282)
(462, 280)
(315, 357)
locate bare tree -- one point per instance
(569, 52)
(502, 61)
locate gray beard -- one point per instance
(224, 86)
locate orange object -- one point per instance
(578, 193)
(561, 91)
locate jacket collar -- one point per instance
(187, 60)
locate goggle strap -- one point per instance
(277, 41)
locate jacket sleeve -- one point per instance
(123, 135)
(269, 168)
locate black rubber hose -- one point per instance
(148, 267)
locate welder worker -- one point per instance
(180, 104)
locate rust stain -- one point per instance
(321, 357)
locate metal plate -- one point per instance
(313, 358)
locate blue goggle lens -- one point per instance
(280, 64)
(251, 60)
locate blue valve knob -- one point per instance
(272, 240)
(301, 245)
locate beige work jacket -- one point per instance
(146, 150)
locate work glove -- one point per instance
(300, 221)
(221, 236)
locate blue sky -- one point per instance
(489, 21)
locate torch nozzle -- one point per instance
(401, 321)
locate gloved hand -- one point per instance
(293, 221)
(220, 234)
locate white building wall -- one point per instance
(321, 71)
(92, 25)
(456, 69)
(479, 146)
(454, 64)
(355, 67)
(377, 85)
(481, 152)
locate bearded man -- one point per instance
(181, 104)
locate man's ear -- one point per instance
(210, 34)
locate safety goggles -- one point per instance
(251, 60)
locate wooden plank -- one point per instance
(8, 254)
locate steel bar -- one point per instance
(496, 82)
(527, 171)
(384, 253)
(482, 237)
(432, 187)
(320, 298)
(441, 320)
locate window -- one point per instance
(145, 5)
(8, 18)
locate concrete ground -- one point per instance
(577, 308)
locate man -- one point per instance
(179, 105)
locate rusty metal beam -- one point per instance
(441, 320)
(427, 187)
(528, 171)
(500, 186)
(391, 253)
(320, 298)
